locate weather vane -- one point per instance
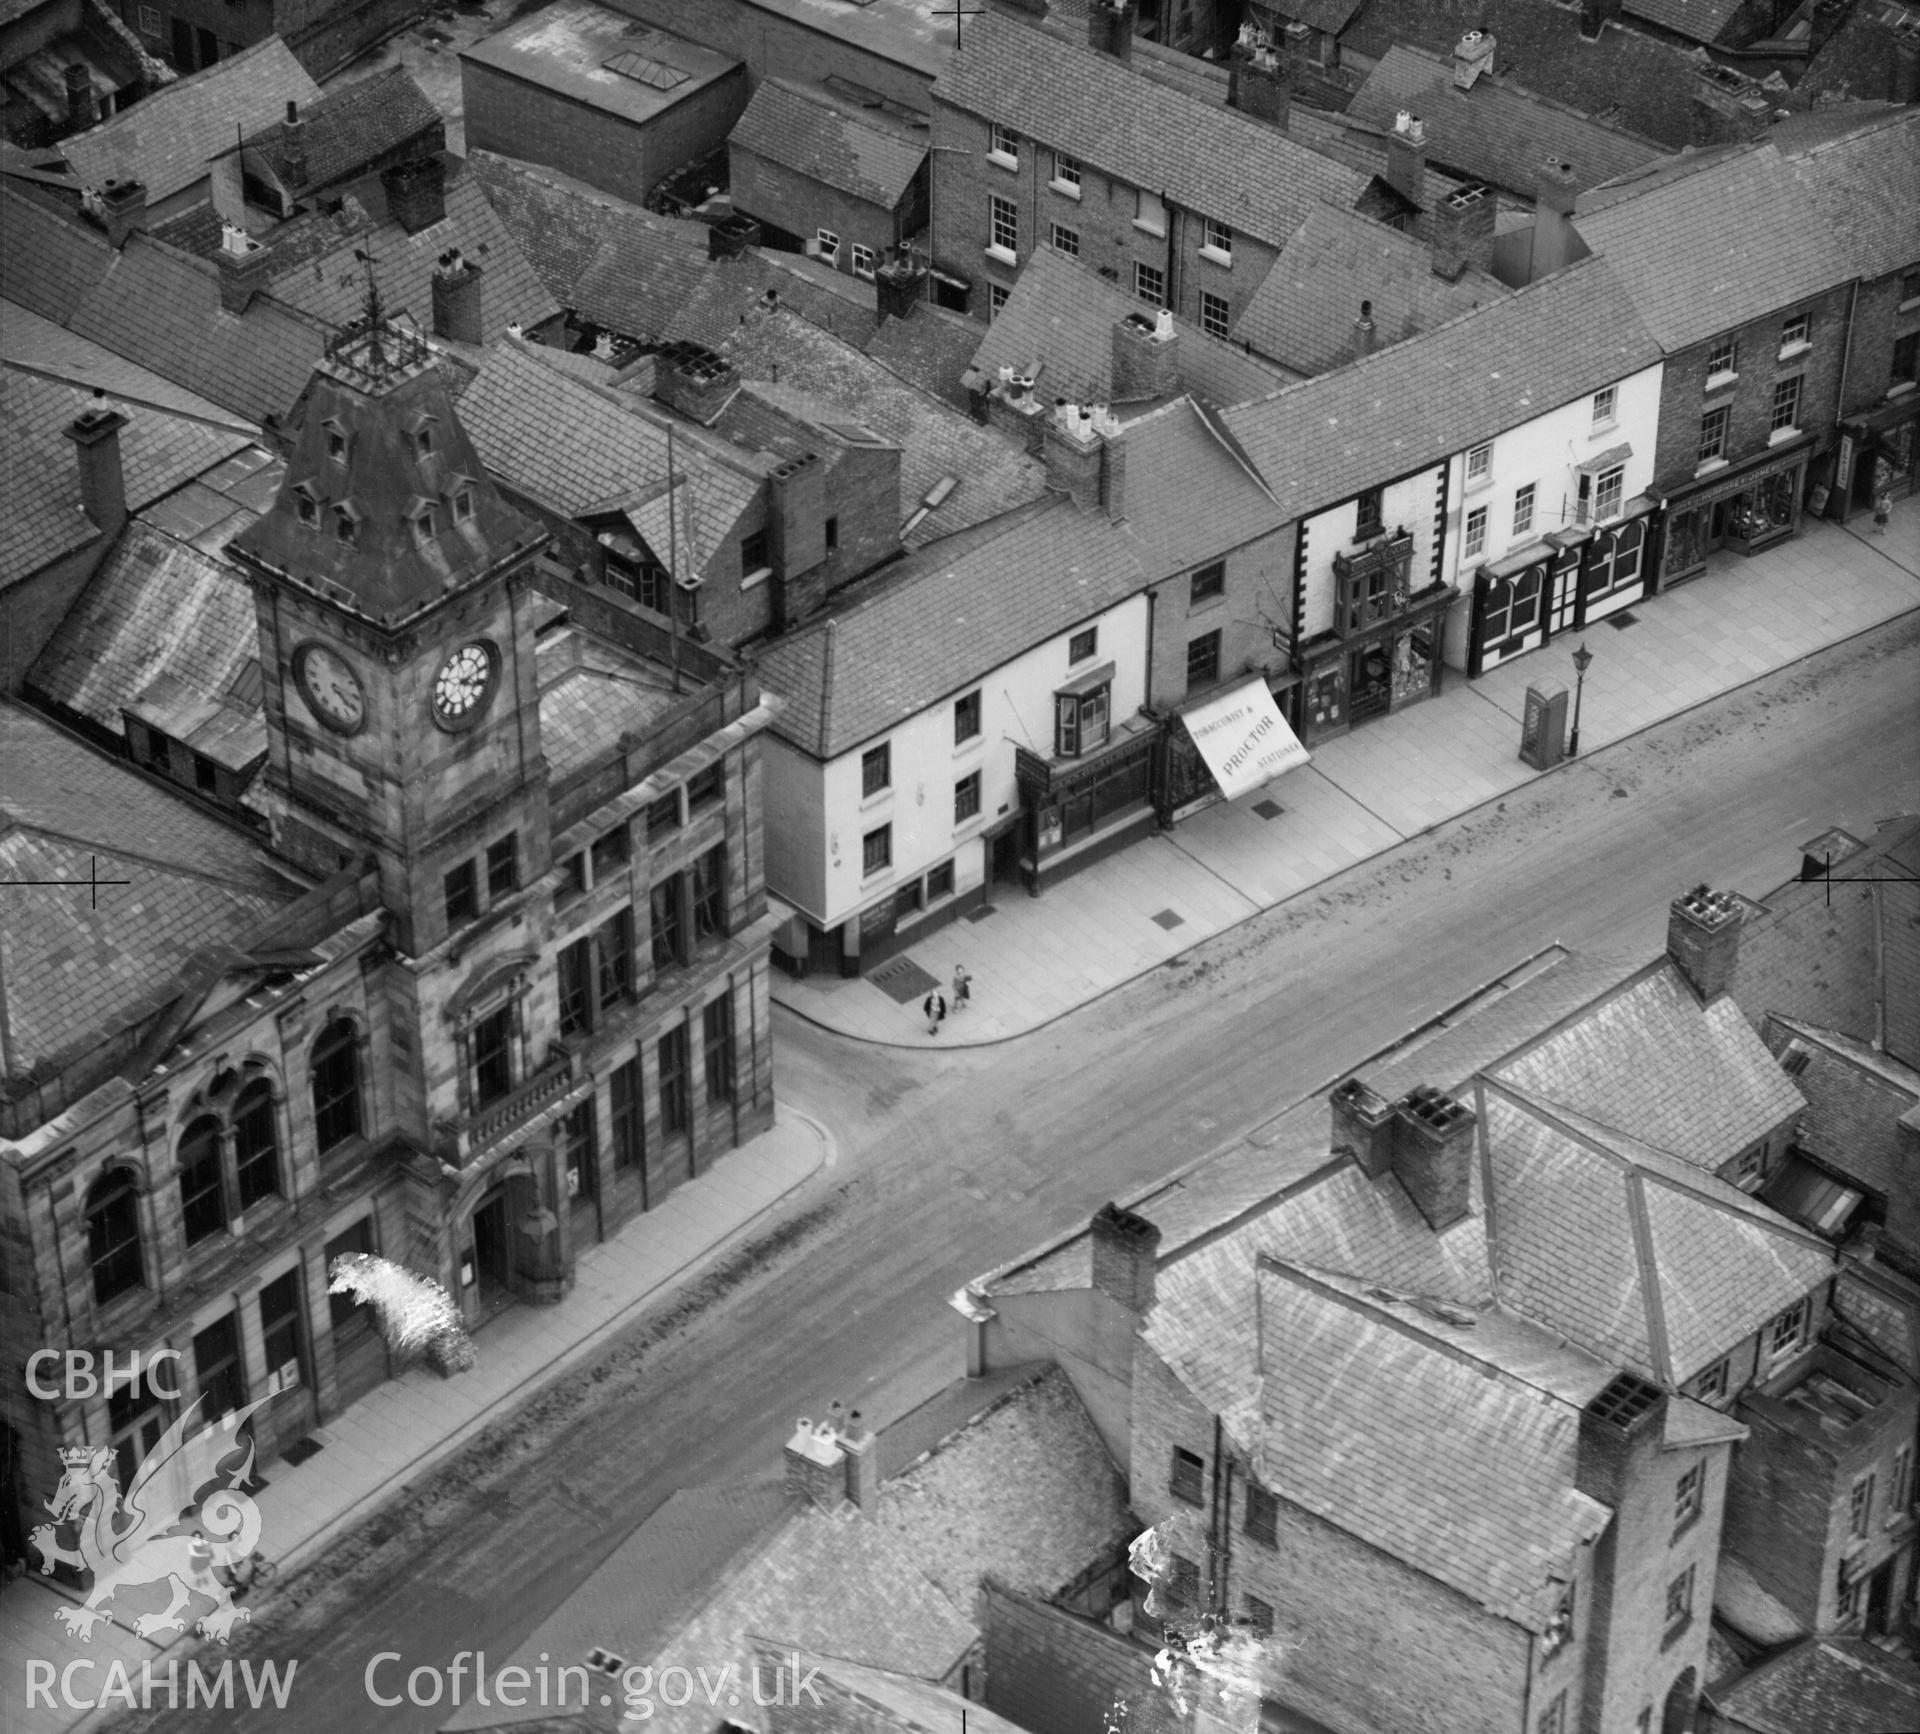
(91, 883)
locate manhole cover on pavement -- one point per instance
(301, 1449)
(903, 980)
(1167, 919)
(1268, 809)
(983, 912)
(1621, 621)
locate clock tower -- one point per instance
(392, 591)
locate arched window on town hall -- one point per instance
(256, 1144)
(336, 1084)
(203, 1191)
(113, 1234)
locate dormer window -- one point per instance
(423, 527)
(463, 506)
(307, 508)
(423, 441)
(346, 526)
(336, 442)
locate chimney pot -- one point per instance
(95, 433)
(293, 111)
(898, 286)
(1460, 231)
(416, 193)
(1703, 940)
(121, 210)
(1407, 159)
(457, 300)
(1260, 84)
(1146, 357)
(1472, 57)
(1626, 1420)
(1363, 1124)
(1125, 1247)
(242, 264)
(1110, 27)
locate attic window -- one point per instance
(346, 527)
(423, 527)
(423, 439)
(463, 506)
(336, 442)
(1794, 1061)
(307, 507)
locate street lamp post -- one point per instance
(1581, 658)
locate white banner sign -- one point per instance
(1244, 738)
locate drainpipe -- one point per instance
(1840, 396)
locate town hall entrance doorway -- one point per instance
(493, 1254)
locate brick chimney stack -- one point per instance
(242, 264)
(695, 381)
(1433, 1153)
(899, 286)
(1407, 159)
(797, 518)
(1364, 331)
(1260, 84)
(82, 109)
(95, 433)
(1125, 1247)
(293, 145)
(1146, 357)
(863, 1463)
(1625, 1422)
(122, 211)
(1460, 231)
(1085, 457)
(1555, 242)
(416, 193)
(457, 299)
(1703, 940)
(1363, 1125)
(1110, 27)
(732, 236)
(816, 1467)
(1472, 58)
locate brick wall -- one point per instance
(1257, 601)
(1684, 401)
(801, 205)
(1880, 319)
(325, 35)
(1048, 1670)
(525, 120)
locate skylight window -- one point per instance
(655, 74)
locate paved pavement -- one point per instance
(1036, 959)
(409, 1424)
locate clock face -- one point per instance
(331, 688)
(463, 683)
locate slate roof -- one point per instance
(944, 617)
(44, 518)
(562, 226)
(349, 127)
(1061, 315)
(1855, 1096)
(603, 695)
(577, 447)
(565, 47)
(1637, 1256)
(1837, 1685)
(1706, 249)
(332, 287)
(1207, 159)
(1303, 313)
(72, 972)
(1697, 20)
(901, 1701)
(1867, 184)
(166, 139)
(931, 348)
(804, 129)
(1628, 77)
(1188, 498)
(1424, 400)
(1495, 132)
(1328, 15)
(1649, 1060)
(811, 374)
(166, 629)
(1465, 1474)
(1860, 59)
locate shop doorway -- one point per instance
(1369, 683)
(1879, 1602)
(1005, 865)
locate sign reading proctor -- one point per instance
(1243, 737)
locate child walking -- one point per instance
(962, 988)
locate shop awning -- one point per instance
(1243, 737)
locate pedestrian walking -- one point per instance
(962, 986)
(1882, 511)
(935, 1007)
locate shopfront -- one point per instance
(1745, 507)
(1228, 744)
(1878, 453)
(1562, 583)
(1076, 809)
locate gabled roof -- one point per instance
(1634, 1254)
(1837, 1685)
(350, 126)
(1855, 1095)
(167, 631)
(1450, 388)
(947, 615)
(1189, 498)
(1304, 311)
(578, 448)
(1705, 249)
(1207, 159)
(1061, 315)
(1495, 132)
(72, 972)
(1697, 20)
(331, 287)
(44, 518)
(1651, 1061)
(811, 374)
(166, 139)
(803, 128)
(1480, 1494)
(1868, 185)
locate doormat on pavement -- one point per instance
(1167, 919)
(301, 1449)
(1621, 621)
(983, 912)
(904, 980)
(1268, 809)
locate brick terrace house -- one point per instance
(590, 91)
(1867, 184)
(1468, 1402)
(1043, 141)
(1738, 277)
(1389, 507)
(832, 165)
(516, 859)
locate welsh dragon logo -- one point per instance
(183, 1515)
